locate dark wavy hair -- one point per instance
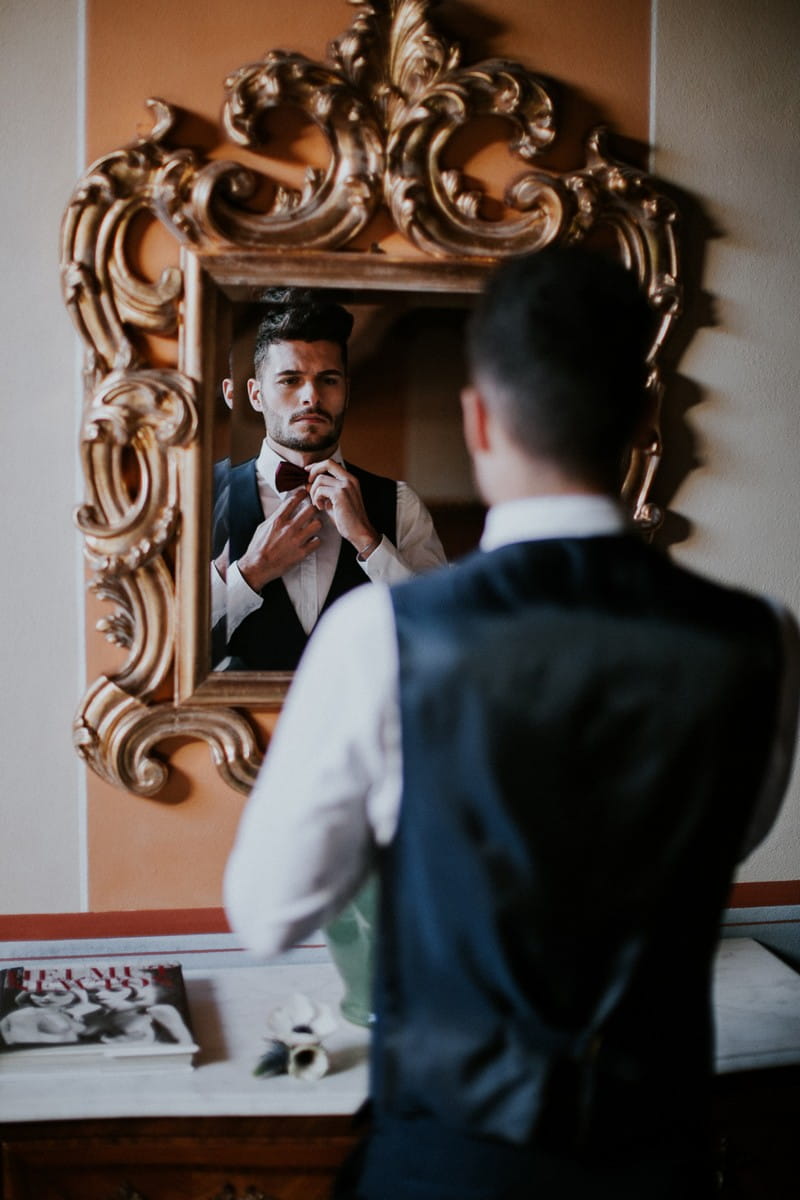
(558, 344)
(300, 315)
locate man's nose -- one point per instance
(309, 393)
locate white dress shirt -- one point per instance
(308, 582)
(329, 790)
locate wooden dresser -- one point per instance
(172, 1158)
(218, 1133)
(212, 1133)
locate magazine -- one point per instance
(117, 1016)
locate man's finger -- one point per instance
(329, 487)
(320, 468)
(321, 486)
(331, 467)
(293, 501)
(308, 523)
(290, 508)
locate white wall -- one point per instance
(726, 116)
(41, 836)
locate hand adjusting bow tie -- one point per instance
(289, 475)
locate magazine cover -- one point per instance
(133, 1017)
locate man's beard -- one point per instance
(286, 433)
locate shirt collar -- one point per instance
(268, 461)
(534, 517)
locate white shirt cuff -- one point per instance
(241, 599)
(385, 565)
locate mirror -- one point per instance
(405, 368)
(397, 306)
(389, 101)
(404, 371)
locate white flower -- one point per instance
(307, 1061)
(301, 1022)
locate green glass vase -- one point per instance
(350, 938)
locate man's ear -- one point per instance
(475, 420)
(254, 394)
(227, 392)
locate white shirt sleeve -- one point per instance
(329, 788)
(241, 598)
(418, 549)
(219, 596)
(232, 598)
(418, 545)
(779, 768)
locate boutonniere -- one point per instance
(296, 1048)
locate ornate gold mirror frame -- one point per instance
(390, 98)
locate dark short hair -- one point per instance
(559, 343)
(300, 315)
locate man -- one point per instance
(301, 526)
(555, 753)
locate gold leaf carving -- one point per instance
(336, 203)
(116, 733)
(145, 412)
(229, 1192)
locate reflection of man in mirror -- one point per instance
(555, 753)
(304, 526)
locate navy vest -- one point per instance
(585, 728)
(272, 638)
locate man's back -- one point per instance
(554, 753)
(585, 731)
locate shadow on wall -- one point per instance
(680, 453)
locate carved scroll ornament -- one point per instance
(388, 102)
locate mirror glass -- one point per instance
(406, 368)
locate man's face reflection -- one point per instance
(301, 390)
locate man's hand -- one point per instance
(282, 541)
(334, 490)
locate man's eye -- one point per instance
(289, 381)
(330, 380)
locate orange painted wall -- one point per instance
(169, 852)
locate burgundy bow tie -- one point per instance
(289, 475)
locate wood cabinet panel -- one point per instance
(175, 1159)
(296, 1158)
(756, 1115)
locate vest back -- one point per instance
(585, 729)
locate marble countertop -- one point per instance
(229, 1007)
(756, 1008)
(756, 1002)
